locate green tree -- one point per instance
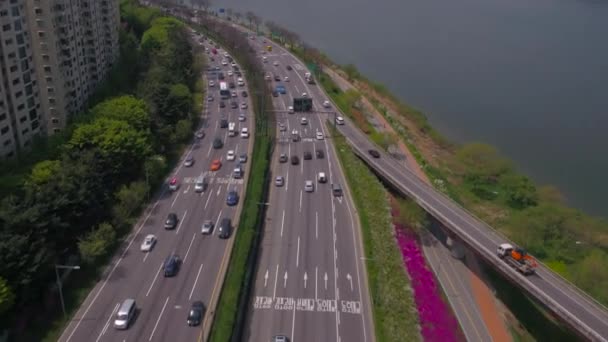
(43, 172)
(183, 130)
(7, 297)
(520, 192)
(154, 169)
(129, 198)
(96, 243)
(482, 162)
(126, 108)
(411, 214)
(592, 275)
(178, 103)
(351, 72)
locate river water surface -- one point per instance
(530, 77)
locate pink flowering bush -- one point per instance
(436, 320)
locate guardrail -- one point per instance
(489, 255)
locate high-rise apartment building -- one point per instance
(69, 45)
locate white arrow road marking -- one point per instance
(285, 280)
(325, 280)
(266, 278)
(348, 276)
(305, 279)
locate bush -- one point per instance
(97, 243)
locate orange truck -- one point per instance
(517, 258)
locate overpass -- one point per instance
(574, 307)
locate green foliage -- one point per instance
(591, 274)
(97, 243)
(519, 190)
(137, 17)
(129, 199)
(125, 108)
(411, 214)
(7, 297)
(155, 168)
(482, 162)
(43, 172)
(178, 103)
(183, 130)
(351, 72)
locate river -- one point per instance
(530, 77)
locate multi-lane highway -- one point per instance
(310, 282)
(163, 302)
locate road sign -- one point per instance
(222, 10)
(302, 104)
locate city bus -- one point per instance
(224, 91)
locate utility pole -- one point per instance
(57, 267)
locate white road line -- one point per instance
(175, 199)
(219, 189)
(208, 198)
(190, 246)
(210, 147)
(195, 281)
(293, 323)
(287, 180)
(300, 200)
(181, 221)
(217, 222)
(187, 189)
(316, 277)
(154, 280)
(298, 253)
(158, 320)
(145, 256)
(282, 222)
(105, 327)
(276, 276)
(302, 166)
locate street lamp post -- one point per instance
(57, 267)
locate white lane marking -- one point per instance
(190, 246)
(285, 280)
(113, 269)
(302, 166)
(300, 200)
(195, 281)
(266, 278)
(208, 198)
(287, 180)
(219, 189)
(154, 280)
(276, 275)
(325, 278)
(105, 327)
(298, 254)
(317, 225)
(209, 152)
(305, 278)
(158, 320)
(217, 222)
(181, 221)
(175, 199)
(293, 323)
(350, 279)
(282, 222)
(316, 278)
(297, 90)
(146, 256)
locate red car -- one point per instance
(173, 184)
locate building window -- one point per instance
(17, 25)
(22, 119)
(4, 130)
(29, 89)
(25, 65)
(30, 102)
(3, 13)
(25, 131)
(2, 116)
(46, 58)
(15, 11)
(18, 94)
(20, 39)
(13, 68)
(8, 142)
(35, 125)
(38, 11)
(50, 90)
(26, 77)
(10, 154)
(53, 120)
(16, 81)
(6, 27)
(8, 42)
(56, 130)
(21, 107)
(22, 52)
(47, 68)
(33, 114)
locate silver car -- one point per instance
(309, 186)
(279, 181)
(207, 227)
(189, 161)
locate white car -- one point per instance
(290, 109)
(319, 135)
(224, 62)
(282, 127)
(304, 95)
(264, 59)
(148, 243)
(233, 65)
(230, 73)
(340, 120)
(230, 155)
(326, 104)
(211, 84)
(275, 63)
(244, 132)
(226, 55)
(304, 121)
(234, 94)
(267, 77)
(286, 79)
(279, 181)
(309, 186)
(240, 81)
(207, 227)
(243, 105)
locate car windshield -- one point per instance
(122, 317)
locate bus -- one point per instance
(224, 91)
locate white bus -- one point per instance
(232, 129)
(224, 91)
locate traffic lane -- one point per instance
(570, 301)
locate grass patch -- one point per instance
(393, 306)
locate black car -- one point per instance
(195, 315)
(223, 123)
(244, 94)
(171, 221)
(225, 228)
(289, 67)
(217, 143)
(277, 78)
(320, 154)
(374, 153)
(234, 105)
(222, 104)
(220, 76)
(295, 160)
(171, 265)
(307, 155)
(238, 73)
(275, 93)
(231, 85)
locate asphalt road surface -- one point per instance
(163, 303)
(310, 281)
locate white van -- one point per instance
(244, 132)
(125, 314)
(232, 129)
(290, 109)
(321, 178)
(340, 120)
